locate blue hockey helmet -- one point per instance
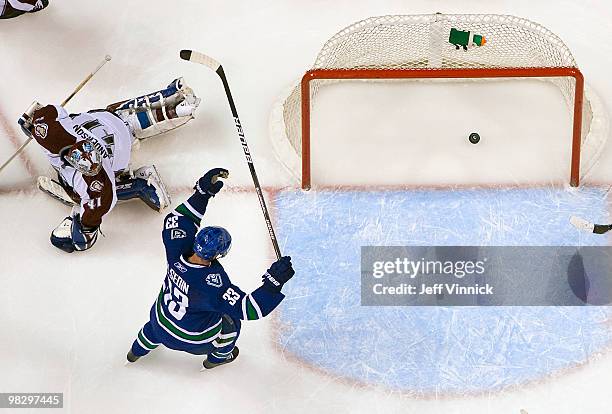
(212, 242)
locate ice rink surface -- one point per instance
(429, 350)
(69, 320)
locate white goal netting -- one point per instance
(411, 42)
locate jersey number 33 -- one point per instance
(176, 301)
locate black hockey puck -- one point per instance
(474, 138)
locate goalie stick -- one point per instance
(196, 57)
(582, 224)
(74, 92)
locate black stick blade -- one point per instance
(201, 58)
(186, 54)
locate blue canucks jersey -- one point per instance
(193, 300)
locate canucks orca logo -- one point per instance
(214, 280)
(178, 234)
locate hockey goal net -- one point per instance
(417, 47)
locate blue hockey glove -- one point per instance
(209, 184)
(278, 274)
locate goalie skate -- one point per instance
(55, 190)
(155, 195)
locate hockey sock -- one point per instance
(144, 342)
(217, 357)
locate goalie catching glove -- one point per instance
(71, 235)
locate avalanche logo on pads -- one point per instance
(40, 130)
(214, 280)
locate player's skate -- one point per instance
(158, 112)
(212, 362)
(131, 357)
(55, 189)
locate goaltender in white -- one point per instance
(91, 153)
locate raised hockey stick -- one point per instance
(74, 92)
(582, 224)
(211, 63)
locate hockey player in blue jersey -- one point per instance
(198, 309)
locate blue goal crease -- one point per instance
(453, 350)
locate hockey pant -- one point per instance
(151, 336)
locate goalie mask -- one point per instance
(84, 157)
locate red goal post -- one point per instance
(418, 47)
